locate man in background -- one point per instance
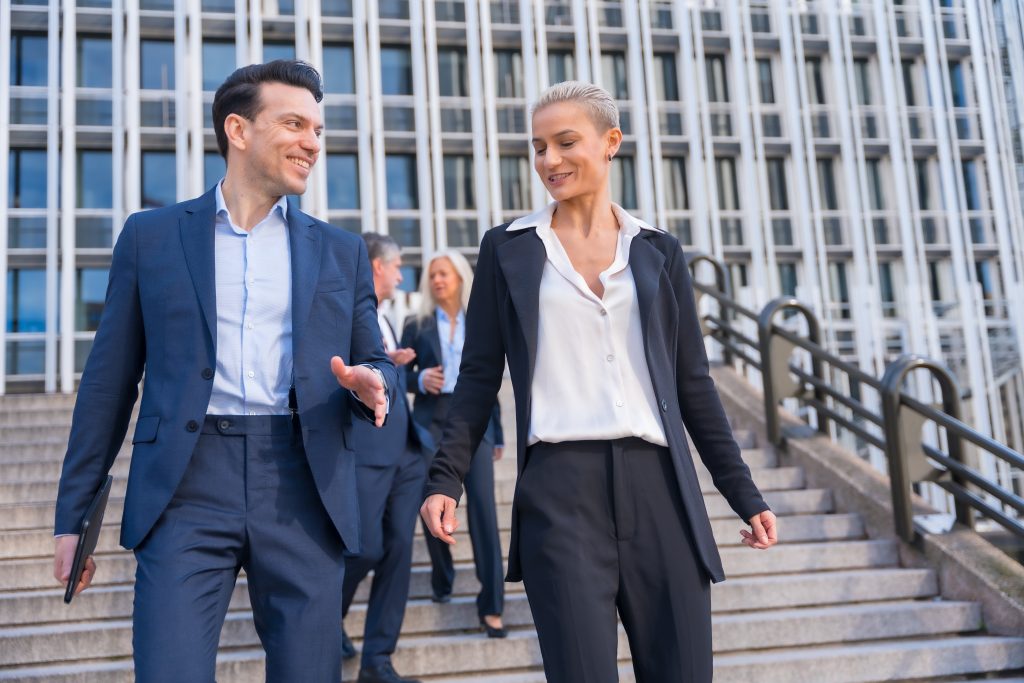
(391, 475)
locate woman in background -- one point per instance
(437, 335)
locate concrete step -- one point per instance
(119, 568)
(35, 471)
(46, 450)
(751, 593)
(22, 645)
(20, 544)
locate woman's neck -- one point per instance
(451, 308)
(585, 214)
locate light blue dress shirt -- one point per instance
(254, 314)
(451, 348)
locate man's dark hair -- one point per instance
(240, 92)
(380, 246)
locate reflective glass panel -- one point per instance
(613, 68)
(509, 68)
(339, 71)
(26, 178)
(778, 196)
(159, 179)
(95, 180)
(90, 289)
(458, 182)
(273, 51)
(95, 62)
(515, 183)
(156, 68)
(396, 71)
(451, 68)
(402, 190)
(218, 63)
(342, 181)
(26, 300)
(561, 66)
(623, 181)
(666, 78)
(674, 171)
(29, 59)
(213, 168)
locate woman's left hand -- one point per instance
(763, 532)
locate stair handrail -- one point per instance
(896, 432)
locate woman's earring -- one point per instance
(609, 158)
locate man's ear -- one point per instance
(236, 128)
(377, 266)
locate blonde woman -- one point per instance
(594, 311)
(437, 335)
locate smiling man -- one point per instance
(256, 327)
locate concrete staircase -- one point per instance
(826, 605)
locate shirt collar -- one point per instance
(222, 208)
(442, 317)
(631, 225)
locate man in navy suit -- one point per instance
(238, 307)
(391, 472)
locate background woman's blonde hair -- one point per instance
(462, 267)
(598, 102)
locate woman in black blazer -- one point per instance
(437, 335)
(594, 311)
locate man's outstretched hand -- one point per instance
(366, 385)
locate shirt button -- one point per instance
(604, 312)
(252, 281)
(664, 405)
(224, 425)
(248, 326)
(192, 425)
(207, 373)
(251, 374)
(619, 403)
(609, 358)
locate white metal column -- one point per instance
(67, 191)
(5, 101)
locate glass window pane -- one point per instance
(273, 51)
(958, 90)
(509, 68)
(666, 78)
(213, 168)
(95, 180)
(396, 71)
(971, 189)
(623, 180)
(90, 291)
(458, 182)
(515, 183)
(815, 83)
(876, 193)
(336, 8)
(26, 300)
(218, 63)
(675, 183)
(29, 59)
(342, 181)
(779, 198)
(764, 81)
(95, 62)
(451, 68)
(339, 70)
(561, 66)
(827, 185)
(725, 177)
(863, 79)
(402, 189)
(718, 84)
(159, 179)
(26, 357)
(26, 179)
(613, 72)
(157, 64)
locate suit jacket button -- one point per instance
(207, 373)
(192, 425)
(664, 405)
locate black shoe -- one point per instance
(348, 650)
(441, 597)
(385, 673)
(493, 632)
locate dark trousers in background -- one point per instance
(483, 529)
(247, 500)
(389, 500)
(602, 528)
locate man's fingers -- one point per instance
(87, 574)
(341, 371)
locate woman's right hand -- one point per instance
(438, 512)
(433, 380)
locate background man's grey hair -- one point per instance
(380, 246)
(597, 102)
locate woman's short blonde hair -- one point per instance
(427, 302)
(598, 102)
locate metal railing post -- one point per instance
(903, 446)
(721, 283)
(775, 354)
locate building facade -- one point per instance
(864, 156)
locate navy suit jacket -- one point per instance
(421, 335)
(160, 316)
(502, 322)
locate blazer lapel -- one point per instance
(434, 335)
(522, 262)
(197, 241)
(304, 241)
(646, 263)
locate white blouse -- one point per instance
(591, 380)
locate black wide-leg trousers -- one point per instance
(602, 531)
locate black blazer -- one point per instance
(421, 334)
(502, 322)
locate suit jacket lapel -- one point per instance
(522, 262)
(646, 263)
(433, 334)
(304, 241)
(197, 241)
